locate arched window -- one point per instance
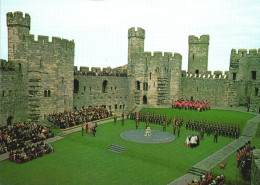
(138, 85)
(144, 99)
(76, 86)
(49, 93)
(197, 71)
(104, 86)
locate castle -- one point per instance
(40, 77)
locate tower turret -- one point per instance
(135, 41)
(198, 54)
(18, 27)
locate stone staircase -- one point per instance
(162, 91)
(197, 171)
(116, 148)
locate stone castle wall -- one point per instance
(46, 69)
(42, 78)
(100, 89)
(211, 88)
(13, 102)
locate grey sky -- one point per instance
(99, 28)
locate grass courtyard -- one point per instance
(85, 159)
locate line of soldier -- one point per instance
(158, 119)
(226, 130)
(191, 105)
(244, 159)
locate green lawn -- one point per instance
(231, 172)
(85, 159)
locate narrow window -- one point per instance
(234, 76)
(138, 85)
(49, 93)
(62, 80)
(45, 93)
(120, 106)
(3, 94)
(20, 66)
(197, 72)
(104, 86)
(89, 88)
(41, 64)
(145, 87)
(76, 86)
(115, 106)
(253, 75)
(193, 57)
(150, 75)
(123, 106)
(115, 87)
(84, 88)
(256, 91)
(197, 88)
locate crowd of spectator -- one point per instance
(226, 130)
(17, 135)
(191, 105)
(244, 159)
(72, 118)
(207, 179)
(30, 152)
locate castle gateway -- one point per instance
(40, 77)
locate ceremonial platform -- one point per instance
(139, 136)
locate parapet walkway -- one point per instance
(218, 157)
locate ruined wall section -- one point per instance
(211, 87)
(111, 92)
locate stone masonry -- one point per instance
(40, 77)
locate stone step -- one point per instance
(116, 148)
(197, 171)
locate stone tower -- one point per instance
(18, 29)
(198, 54)
(135, 41)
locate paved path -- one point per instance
(216, 158)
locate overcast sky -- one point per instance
(99, 28)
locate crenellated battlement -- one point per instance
(6, 66)
(44, 40)
(245, 52)
(17, 19)
(207, 75)
(204, 39)
(161, 54)
(132, 32)
(96, 71)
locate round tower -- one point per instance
(18, 28)
(198, 54)
(135, 41)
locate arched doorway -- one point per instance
(9, 120)
(144, 99)
(197, 72)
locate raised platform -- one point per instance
(156, 138)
